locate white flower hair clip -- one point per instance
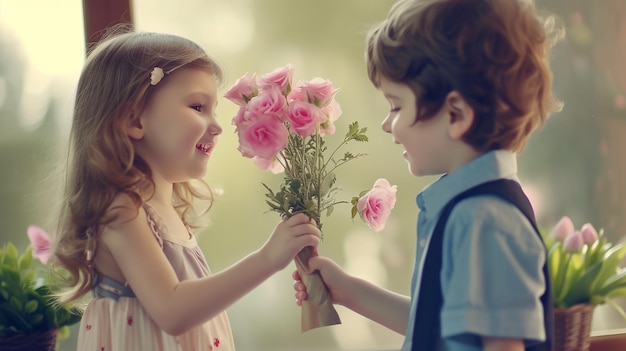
(157, 74)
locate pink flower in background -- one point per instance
(574, 242)
(589, 234)
(243, 90)
(264, 138)
(304, 118)
(280, 77)
(563, 229)
(375, 206)
(40, 240)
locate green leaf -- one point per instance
(578, 290)
(354, 211)
(327, 183)
(36, 319)
(329, 210)
(16, 303)
(361, 138)
(11, 255)
(31, 306)
(27, 259)
(14, 317)
(610, 264)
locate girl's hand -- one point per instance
(288, 238)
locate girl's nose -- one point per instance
(214, 128)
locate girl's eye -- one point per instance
(197, 107)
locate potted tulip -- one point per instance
(584, 272)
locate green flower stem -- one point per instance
(561, 276)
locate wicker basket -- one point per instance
(572, 327)
(38, 341)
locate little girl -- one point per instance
(144, 127)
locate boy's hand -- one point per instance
(334, 277)
(300, 288)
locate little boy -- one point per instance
(467, 82)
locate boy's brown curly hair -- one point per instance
(495, 53)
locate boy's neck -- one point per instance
(461, 155)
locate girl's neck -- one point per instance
(163, 191)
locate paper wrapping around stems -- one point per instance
(317, 309)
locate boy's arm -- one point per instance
(380, 305)
(502, 344)
(371, 301)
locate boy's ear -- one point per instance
(461, 115)
(134, 127)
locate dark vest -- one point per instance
(427, 329)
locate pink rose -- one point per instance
(332, 111)
(297, 94)
(318, 91)
(589, 234)
(375, 206)
(265, 137)
(269, 165)
(244, 89)
(269, 101)
(280, 77)
(304, 118)
(563, 229)
(40, 241)
(240, 118)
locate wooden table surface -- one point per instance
(608, 340)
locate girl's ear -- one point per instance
(461, 115)
(134, 127)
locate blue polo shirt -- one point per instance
(491, 275)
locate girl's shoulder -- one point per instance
(124, 210)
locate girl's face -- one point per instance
(179, 125)
(425, 142)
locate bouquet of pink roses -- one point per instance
(282, 128)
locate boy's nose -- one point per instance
(386, 124)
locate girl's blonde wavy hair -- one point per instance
(102, 163)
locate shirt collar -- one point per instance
(489, 166)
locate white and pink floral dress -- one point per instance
(116, 321)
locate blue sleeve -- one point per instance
(491, 275)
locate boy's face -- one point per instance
(424, 142)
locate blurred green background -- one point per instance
(575, 166)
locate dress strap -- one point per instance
(107, 287)
(155, 223)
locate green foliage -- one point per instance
(26, 304)
(309, 182)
